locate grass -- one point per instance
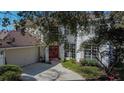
(89, 72)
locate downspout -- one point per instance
(39, 54)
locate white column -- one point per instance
(2, 56)
(42, 52)
(47, 54)
(91, 53)
(79, 53)
(61, 51)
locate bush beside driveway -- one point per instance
(10, 73)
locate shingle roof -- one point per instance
(3, 34)
(17, 39)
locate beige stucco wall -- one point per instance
(22, 56)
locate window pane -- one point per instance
(90, 53)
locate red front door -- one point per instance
(53, 52)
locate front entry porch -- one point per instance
(53, 54)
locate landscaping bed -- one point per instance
(10, 73)
(88, 72)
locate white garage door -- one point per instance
(22, 56)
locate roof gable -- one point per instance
(17, 39)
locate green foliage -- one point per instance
(86, 71)
(48, 20)
(117, 19)
(10, 72)
(121, 74)
(9, 76)
(119, 68)
(70, 61)
(86, 62)
(71, 19)
(5, 22)
(91, 72)
(70, 64)
(109, 29)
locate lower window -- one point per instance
(90, 53)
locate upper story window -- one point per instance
(53, 33)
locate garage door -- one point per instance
(22, 56)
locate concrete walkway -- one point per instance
(48, 72)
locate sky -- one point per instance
(12, 16)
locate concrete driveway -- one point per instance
(48, 72)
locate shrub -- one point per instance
(10, 72)
(120, 69)
(70, 64)
(70, 60)
(85, 71)
(87, 62)
(90, 72)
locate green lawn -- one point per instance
(88, 72)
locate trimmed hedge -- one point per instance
(10, 72)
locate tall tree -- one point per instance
(109, 29)
(47, 20)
